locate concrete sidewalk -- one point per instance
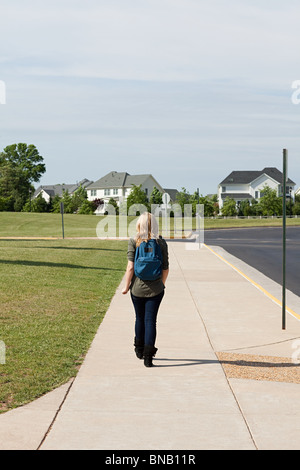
(187, 401)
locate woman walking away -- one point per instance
(146, 275)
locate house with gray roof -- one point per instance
(248, 185)
(50, 191)
(118, 185)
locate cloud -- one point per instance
(151, 39)
(151, 86)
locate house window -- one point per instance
(106, 192)
(93, 192)
(115, 191)
(223, 189)
(289, 190)
(146, 191)
(256, 194)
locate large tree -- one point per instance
(26, 158)
(21, 165)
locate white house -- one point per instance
(118, 185)
(243, 185)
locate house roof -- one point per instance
(116, 179)
(58, 189)
(54, 189)
(241, 177)
(246, 177)
(276, 175)
(136, 179)
(172, 193)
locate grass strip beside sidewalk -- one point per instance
(54, 295)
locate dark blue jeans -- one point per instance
(146, 310)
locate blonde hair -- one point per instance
(146, 228)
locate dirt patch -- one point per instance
(248, 366)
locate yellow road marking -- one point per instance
(258, 286)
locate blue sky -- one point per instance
(187, 90)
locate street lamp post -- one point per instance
(284, 239)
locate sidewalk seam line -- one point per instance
(56, 414)
(262, 345)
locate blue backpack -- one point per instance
(148, 261)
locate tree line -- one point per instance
(21, 165)
(183, 198)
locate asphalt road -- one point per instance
(261, 248)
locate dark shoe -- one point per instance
(139, 348)
(149, 353)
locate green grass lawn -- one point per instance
(243, 223)
(54, 295)
(50, 225)
(26, 224)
